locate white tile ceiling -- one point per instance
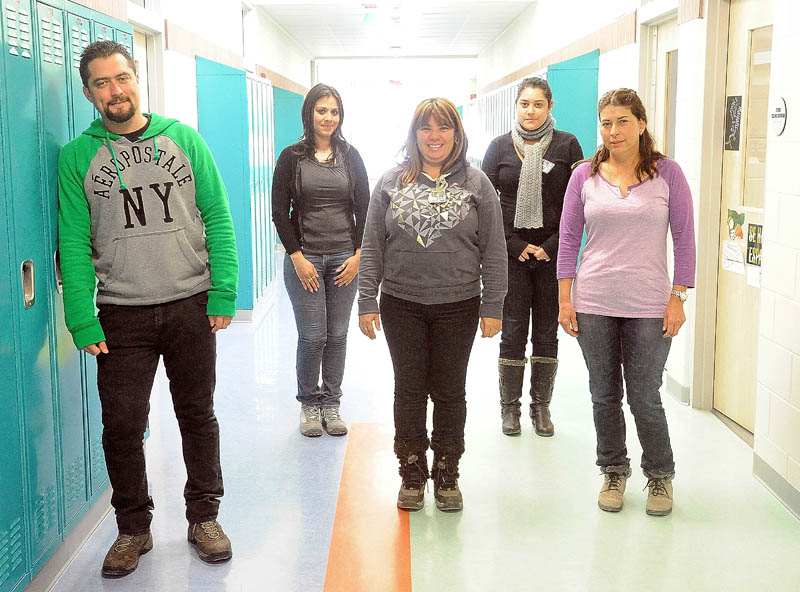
(397, 28)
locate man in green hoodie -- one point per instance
(144, 212)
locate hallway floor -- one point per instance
(530, 521)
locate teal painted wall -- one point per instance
(574, 85)
(222, 120)
(287, 107)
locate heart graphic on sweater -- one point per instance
(423, 220)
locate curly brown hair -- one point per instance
(648, 155)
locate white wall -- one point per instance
(544, 28)
(219, 21)
(777, 432)
(180, 87)
(267, 44)
(617, 69)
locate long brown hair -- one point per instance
(648, 155)
(307, 144)
(443, 111)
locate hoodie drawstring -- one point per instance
(114, 158)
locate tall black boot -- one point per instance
(414, 473)
(445, 476)
(512, 373)
(543, 378)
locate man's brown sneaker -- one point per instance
(212, 544)
(659, 496)
(610, 498)
(123, 556)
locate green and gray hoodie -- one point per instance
(149, 219)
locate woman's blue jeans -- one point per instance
(616, 347)
(322, 321)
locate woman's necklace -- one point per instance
(323, 155)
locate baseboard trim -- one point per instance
(780, 487)
(677, 390)
(62, 557)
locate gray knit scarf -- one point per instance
(528, 213)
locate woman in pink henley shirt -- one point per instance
(620, 302)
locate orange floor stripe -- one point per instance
(370, 545)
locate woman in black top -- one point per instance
(530, 167)
(320, 196)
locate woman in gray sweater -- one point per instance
(434, 245)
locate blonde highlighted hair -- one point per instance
(442, 111)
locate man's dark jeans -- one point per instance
(136, 337)
(532, 299)
(637, 349)
(430, 346)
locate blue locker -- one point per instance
(52, 465)
(57, 130)
(13, 540)
(79, 36)
(29, 255)
(124, 38)
(102, 32)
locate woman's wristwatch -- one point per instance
(681, 294)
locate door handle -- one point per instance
(57, 267)
(28, 283)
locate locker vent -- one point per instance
(51, 33)
(98, 458)
(45, 514)
(79, 37)
(76, 481)
(10, 550)
(18, 31)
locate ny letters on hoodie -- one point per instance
(149, 220)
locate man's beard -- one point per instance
(120, 116)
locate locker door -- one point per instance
(83, 113)
(29, 261)
(79, 33)
(12, 526)
(57, 132)
(102, 32)
(124, 38)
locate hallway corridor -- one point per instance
(530, 520)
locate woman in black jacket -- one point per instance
(530, 167)
(320, 196)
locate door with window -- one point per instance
(742, 209)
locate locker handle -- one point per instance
(57, 267)
(28, 283)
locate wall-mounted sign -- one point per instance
(754, 243)
(777, 115)
(733, 119)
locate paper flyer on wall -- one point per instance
(732, 257)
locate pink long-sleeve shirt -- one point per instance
(623, 268)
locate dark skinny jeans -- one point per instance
(136, 337)
(531, 303)
(430, 346)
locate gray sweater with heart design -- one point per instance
(433, 247)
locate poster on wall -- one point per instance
(754, 232)
(754, 243)
(733, 119)
(735, 223)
